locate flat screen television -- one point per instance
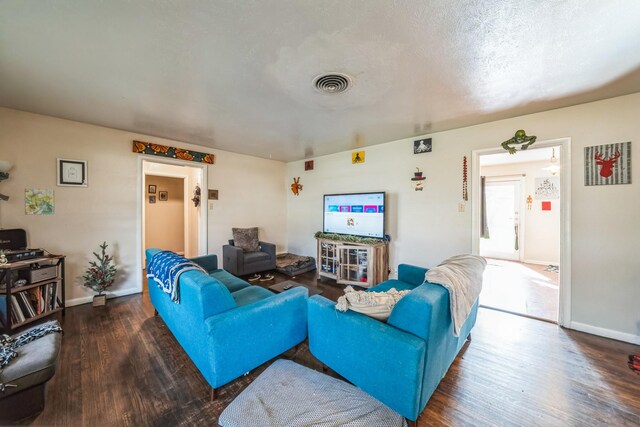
(356, 214)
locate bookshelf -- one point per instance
(26, 295)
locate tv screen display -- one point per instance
(358, 214)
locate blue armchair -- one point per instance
(225, 325)
(400, 362)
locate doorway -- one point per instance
(503, 196)
(169, 218)
(522, 230)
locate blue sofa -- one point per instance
(402, 361)
(227, 326)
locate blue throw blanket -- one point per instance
(165, 269)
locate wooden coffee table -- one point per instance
(278, 288)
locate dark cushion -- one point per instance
(253, 257)
(35, 364)
(246, 239)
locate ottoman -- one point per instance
(30, 371)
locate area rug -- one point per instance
(288, 394)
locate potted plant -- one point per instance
(100, 275)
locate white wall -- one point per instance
(251, 194)
(165, 220)
(426, 227)
(541, 243)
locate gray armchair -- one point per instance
(239, 263)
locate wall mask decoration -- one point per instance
(357, 157)
(418, 180)
(196, 196)
(547, 188)
(519, 139)
(607, 164)
(296, 187)
(421, 146)
(142, 147)
(38, 202)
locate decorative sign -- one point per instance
(607, 164)
(422, 146)
(173, 152)
(38, 202)
(546, 206)
(357, 157)
(547, 188)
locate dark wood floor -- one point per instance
(121, 366)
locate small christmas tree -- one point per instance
(100, 275)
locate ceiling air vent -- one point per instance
(332, 83)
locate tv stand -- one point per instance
(351, 263)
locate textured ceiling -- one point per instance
(237, 75)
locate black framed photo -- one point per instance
(152, 199)
(422, 146)
(163, 196)
(72, 173)
(152, 189)
(212, 194)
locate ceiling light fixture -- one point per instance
(553, 168)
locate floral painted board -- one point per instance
(173, 152)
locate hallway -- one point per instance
(520, 288)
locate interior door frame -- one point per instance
(203, 231)
(520, 179)
(564, 303)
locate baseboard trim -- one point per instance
(536, 262)
(114, 294)
(607, 333)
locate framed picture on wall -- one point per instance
(152, 189)
(152, 199)
(163, 196)
(72, 173)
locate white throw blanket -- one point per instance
(461, 275)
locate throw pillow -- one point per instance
(246, 239)
(377, 305)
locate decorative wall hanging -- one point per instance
(163, 196)
(417, 180)
(547, 188)
(529, 202)
(519, 139)
(465, 192)
(152, 189)
(212, 194)
(296, 187)
(308, 165)
(422, 146)
(546, 206)
(357, 157)
(173, 152)
(38, 202)
(607, 164)
(5, 167)
(196, 196)
(72, 173)
(152, 199)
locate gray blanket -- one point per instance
(461, 275)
